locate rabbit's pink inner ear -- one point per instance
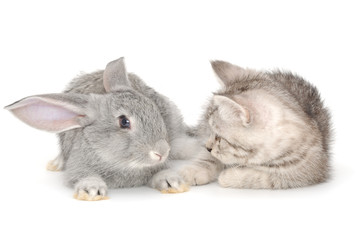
(45, 115)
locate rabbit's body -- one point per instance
(115, 177)
(114, 131)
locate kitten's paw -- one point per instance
(56, 164)
(168, 181)
(244, 178)
(226, 178)
(195, 175)
(91, 189)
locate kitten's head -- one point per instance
(235, 126)
(244, 119)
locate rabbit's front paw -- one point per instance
(91, 189)
(168, 181)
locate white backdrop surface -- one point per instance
(44, 44)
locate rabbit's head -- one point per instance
(123, 127)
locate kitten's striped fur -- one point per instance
(268, 129)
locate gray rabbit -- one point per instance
(114, 132)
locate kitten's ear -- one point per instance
(230, 109)
(226, 72)
(52, 112)
(115, 76)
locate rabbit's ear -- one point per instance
(51, 112)
(115, 76)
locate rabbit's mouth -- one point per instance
(157, 157)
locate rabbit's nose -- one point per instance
(155, 156)
(160, 151)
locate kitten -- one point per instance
(266, 130)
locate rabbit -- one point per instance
(114, 132)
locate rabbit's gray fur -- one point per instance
(146, 103)
(96, 152)
(93, 83)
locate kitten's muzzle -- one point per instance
(209, 145)
(211, 141)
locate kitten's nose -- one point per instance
(209, 149)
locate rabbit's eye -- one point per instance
(124, 122)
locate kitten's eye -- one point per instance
(124, 122)
(217, 138)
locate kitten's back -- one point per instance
(308, 97)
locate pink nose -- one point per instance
(155, 156)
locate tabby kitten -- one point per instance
(265, 130)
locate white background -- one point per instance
(44, 44)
